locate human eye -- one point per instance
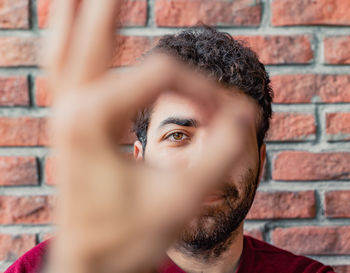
(177, 137)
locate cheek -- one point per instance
(248, 156)
(244, 164)
(244, 170)
(160, 155)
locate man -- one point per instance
(200, 148)
(213, 241)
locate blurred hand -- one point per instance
(114, 215)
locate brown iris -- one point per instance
(177, 136)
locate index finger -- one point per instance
(123, 95)
(160, 73)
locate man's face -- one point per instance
(176, 135)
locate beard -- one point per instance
(210, 233)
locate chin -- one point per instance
(219, 219)
(204, 223)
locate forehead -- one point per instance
(176, 105)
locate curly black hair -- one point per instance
(229, 61)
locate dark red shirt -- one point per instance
(257, 257)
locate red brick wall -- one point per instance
(303, 200)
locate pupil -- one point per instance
(177, 135)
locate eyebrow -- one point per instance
(187, 122)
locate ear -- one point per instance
(262, 160)
(138, 151)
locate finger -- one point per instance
(92, 49)
(125, 94)
(105, 114)
(62, 16)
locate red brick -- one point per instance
(26, 209)
(310, 12)
(341, 268)
(300, 165)
(334, 88)
(338, 126)
(50, 171)
(130, 48)
(313, 240)
(255, 233)
(306, 88)
(272, 205)
(292, 127)
(134, 13)
(14, 91)
(23, 131)
(43, 97)
(13, 246)
(211, 12)
(337, 50)
(281, 49)
(16, 170)
(43, 9)
(264, 173)
(337, 204)
(19, 51)
(14, 14)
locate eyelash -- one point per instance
(173, 133)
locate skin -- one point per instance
(106, 205)
(171, 143)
